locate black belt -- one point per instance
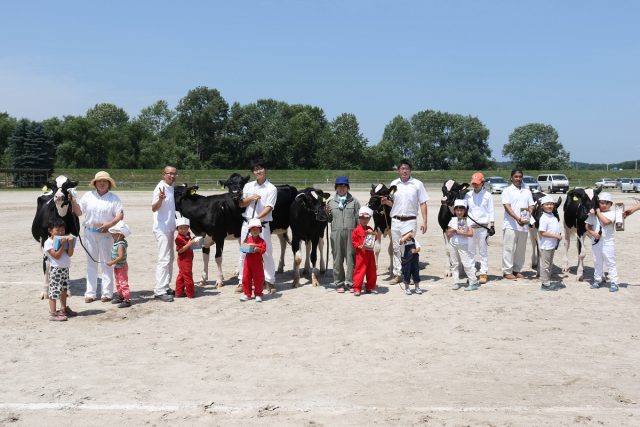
(404, 218)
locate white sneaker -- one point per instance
(258, 299)
(244, 298)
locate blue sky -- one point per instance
(572, 64)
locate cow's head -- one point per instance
(235, 183)
(586, 200)
(378, 191)
(181, 192)
(61, 188)
(452, 191)
(315, 201)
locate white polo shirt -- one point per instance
(164, 219)
(408, 197)
(480, 206)
(97, 209)
(268, 194)
(549, 224)
(518, 199)
(608, 231)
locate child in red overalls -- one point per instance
(184, 244)
(253, 270)
(365, 260)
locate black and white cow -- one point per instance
(451, 191)
(215, 218)
(534, 236)
(54, 203)
(577, 205)
(382, 218)
(309, 218)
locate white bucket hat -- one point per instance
(406, 227)
(122, 228)
(365, 211)
(460, 202)
(546, 199)
(253, 223)
(605, 197)
(183, 221)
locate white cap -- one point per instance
(547, 199)
(254, 222)
(183, 221)
(365, 211)
(121, 228)
(406, 227)
(605, 197)
(460, 202)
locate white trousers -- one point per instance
(99, 247)
(461, 255)
(604, 253)
(478, 245)
(514, 247)
(164, 269)
(396, 234)
(267, 257)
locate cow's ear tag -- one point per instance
(575, 198)
(45, 189)
(192, 191)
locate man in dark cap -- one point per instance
(343, 215)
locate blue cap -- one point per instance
(342, 180)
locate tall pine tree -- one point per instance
(31, 148)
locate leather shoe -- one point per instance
(518, 274)
(165, 298)
(171, 292)
(509, 276)
(89, 299)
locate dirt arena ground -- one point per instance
(508, 354)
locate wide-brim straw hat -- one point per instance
(102, 175)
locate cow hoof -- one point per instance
(219, 284)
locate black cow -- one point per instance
(308, 221)
(382, 218)
(282, 218)
(54, 203)
(451, 191)
(577, 205)
(534, 236)
(215, 218)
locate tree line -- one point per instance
(204, 132)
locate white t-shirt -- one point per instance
(458, 240)
(518, 199)
(408, 197)
(607, 230)
(97, 209)
(268, 194)
(164, 219)
(480, 206)
(550, 224)
(63, 262)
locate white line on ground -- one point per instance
(45, 406)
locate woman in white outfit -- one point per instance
(101, 210)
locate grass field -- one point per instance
(147, 178)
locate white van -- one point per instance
(553, 182)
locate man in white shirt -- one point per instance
(259, 199)
(518, 208)
(409, 197)
(164, 227)
(481, 218)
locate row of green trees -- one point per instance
(205, 132)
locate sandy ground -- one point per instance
(507, 354)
